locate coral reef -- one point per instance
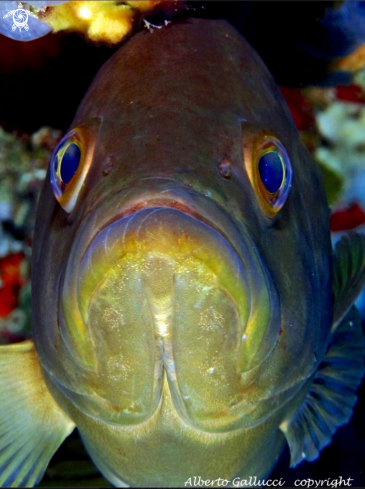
(23, 163)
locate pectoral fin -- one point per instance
(348, 274)
(32, 426)
(332, 395)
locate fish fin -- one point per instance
(32, 426)
(348, 274)
(332, 394)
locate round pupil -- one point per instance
(271, 171)
(70, 162)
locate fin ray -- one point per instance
(32, 426)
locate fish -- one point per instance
(190, 316)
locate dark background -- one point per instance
(43, 81)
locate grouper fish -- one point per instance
(190, 316)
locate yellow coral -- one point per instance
(101, 21)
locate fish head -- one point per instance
(182, 240)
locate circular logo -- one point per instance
(20, 19)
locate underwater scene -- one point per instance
(182, 243)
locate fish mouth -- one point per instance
(163, 295)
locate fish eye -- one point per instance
(64, 164)
(270, 171)
(69, 165)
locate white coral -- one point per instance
(342, 124)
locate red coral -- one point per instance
(352, 93)
(346, 219)
(11, 282)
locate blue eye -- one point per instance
(65, 175)
(69, 163)
(271, 171)
(64, 164)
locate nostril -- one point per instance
(224, 167)
(108, 165)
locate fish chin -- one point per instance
(163, 294)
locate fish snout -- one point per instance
(165, 297)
